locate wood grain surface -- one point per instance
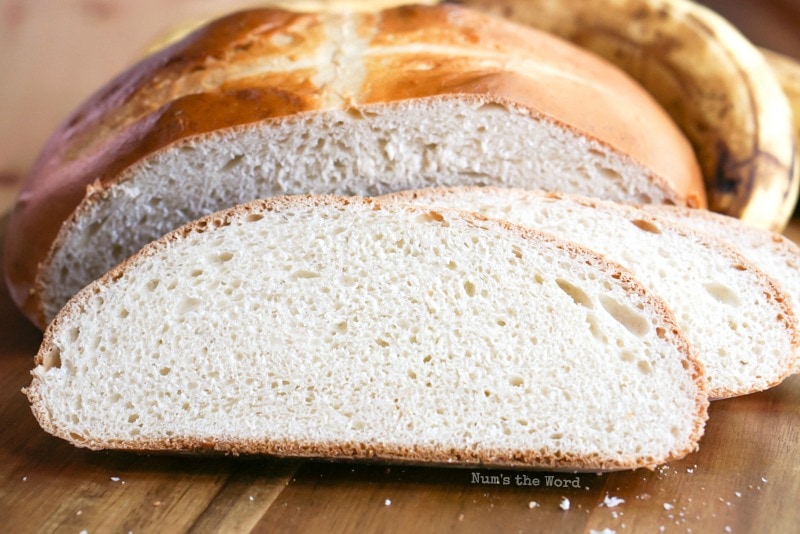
(745, 477)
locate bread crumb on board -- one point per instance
(564, 504)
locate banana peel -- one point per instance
(787, 70)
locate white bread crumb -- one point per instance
(611, 502)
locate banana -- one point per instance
(788, 71)
(715, 84)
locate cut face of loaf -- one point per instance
(326, 327)
(737, 317)
(268, 102)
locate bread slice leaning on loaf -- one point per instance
(269, 102)
(342, 328)
(739, 319)
(777, 255)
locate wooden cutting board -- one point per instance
(744, 478)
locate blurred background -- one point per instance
(54, 53)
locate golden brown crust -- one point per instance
(215, 79)
(380, 451)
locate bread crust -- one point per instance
(208, 82)
(546, 459)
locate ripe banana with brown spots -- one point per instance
(788, 71)
(716, 85)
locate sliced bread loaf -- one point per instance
(341, 328)
(738, 318)
(269, 102)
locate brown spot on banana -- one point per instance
(715, 84)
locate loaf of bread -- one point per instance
(739, 319)
(269, 102)
(342, 328)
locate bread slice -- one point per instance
(776, 255)
(336, 328)
(269, 102)
(738, 318)
(773, 253)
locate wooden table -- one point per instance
(745, 477)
